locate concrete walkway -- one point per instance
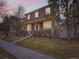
(21, 39)
(21, 52)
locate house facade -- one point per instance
(38, 23)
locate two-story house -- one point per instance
(38, 22)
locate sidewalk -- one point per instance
(21, 52)
(21, 39)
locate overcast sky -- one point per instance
(29, 5)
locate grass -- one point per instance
(52, 48)
(9, 38)
(5, 55)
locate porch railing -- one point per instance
(42, 33)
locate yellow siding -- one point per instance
(47, 24)
(29, 28)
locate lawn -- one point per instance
(9, 38)
(52, 48)
(5, 55)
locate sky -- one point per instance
(29, 5)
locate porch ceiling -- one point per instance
(31, 21)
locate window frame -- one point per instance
(28, 17)
(48, 10)
(36, 14)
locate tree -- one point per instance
(5, 26)
(2, 7)
(20, 12)
(54, 5)
(74, 22)
(71, 12)
(2, 3)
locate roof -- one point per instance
(37, 9)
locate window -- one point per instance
(47, 24)
(48, 10)
(36, 14)
(28, 17)
(29, 28)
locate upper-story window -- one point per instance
(47, 10)
(28, 17)
(36, 14)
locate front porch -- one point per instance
(44, 33)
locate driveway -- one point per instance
(21, 52)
